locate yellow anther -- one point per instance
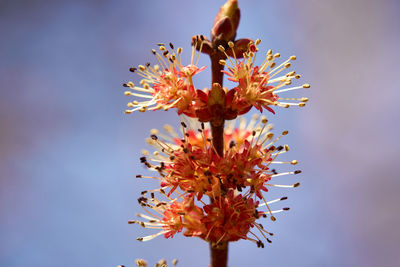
(294, 162)
(293, 57)
(306, 85)
(270, 135)
(290, 73)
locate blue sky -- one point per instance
(68, 154)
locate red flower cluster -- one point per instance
(170, 85)
(190, 168)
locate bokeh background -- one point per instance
(68, 154)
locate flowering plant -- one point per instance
(214, 176)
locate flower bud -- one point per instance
(226, 22)
(240, 46)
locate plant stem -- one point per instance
(219, 252)
(217, 123)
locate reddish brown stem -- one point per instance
(217, 123)
(219, 252)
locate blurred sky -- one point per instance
(68, 154)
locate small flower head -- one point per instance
(229, 218)
(168, 84)
(259, 86)
(236, 182)
(175, 216)
(160, 263)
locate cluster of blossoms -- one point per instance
(214, 181)
(189, 169)
(169, 84)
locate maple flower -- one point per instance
(189, 168)
(259, 86)
(160, 263)
(170, 216)
(233, 217)
(191, 164)
(168, 84)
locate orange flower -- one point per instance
(259, 86)
(168, 84)
(190, 168)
